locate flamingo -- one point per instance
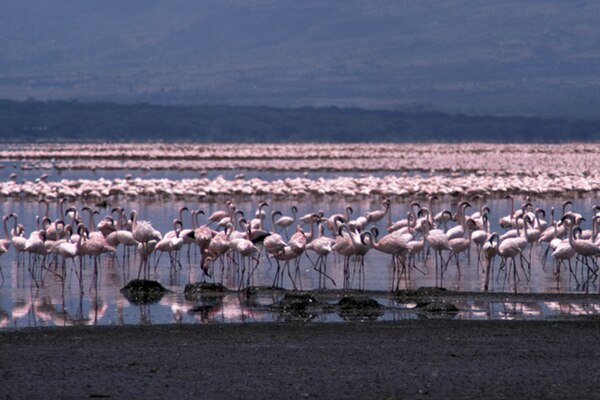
(323, 246)
(541, 224)
(297, 244)
(393, 245)
(203, 235)
(510, 248)
(438, 242)
(285, 221)
(93, 247)
(563, 251)
(550, 233)
(187, 234)
(480, 236)
(257, 221)
(92, 233)
(143, 232)
(274, 243)
(246, 249)
(306, 218)
(219, 215)
(333, 220)
(403, 223)
(121, 235)
(586, 249)
(5, 243)
(377, 215)
(490, 250)
(345, 246)
(458, 245)
(459, 230)
(357, 247)
(106, 226)
(218, 246)
(17, 238)
(171, 243)
(66, 250)
(509, 220)
(35, 243)
(531, 234)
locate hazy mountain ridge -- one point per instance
(536, 57)
(73, 121)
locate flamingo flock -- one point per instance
(415, 171)
(236, 242)
(537, 160)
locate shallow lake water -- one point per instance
(34, 296)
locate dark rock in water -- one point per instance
(431, 291)
(299, 306)
(355, 303)
(359, 308)
(254, 290)
(438, 309)
(141, 291)
(298, 302)
(201, 290)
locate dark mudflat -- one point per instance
(397, 360)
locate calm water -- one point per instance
(32, 296)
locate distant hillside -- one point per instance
(73, 121)
(537, 57)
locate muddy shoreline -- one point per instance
(393, 360)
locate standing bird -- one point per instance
(257, 222)
(170, 245)
(344, 245)
(585, 249)
(479, 236)
(66, 250)
(274, 243)
(5, 243)
(459, 230)
(202, 236)
(378, 215)
(247, 250)
(17, 238)
(333, 220)
(393, 245)
(458, 245)
(143, 232)
(531, 234)
(121, 236)
(490, 251)
(284, 222)
(219, 215)
(438, 242)
(509, 249)
(93, 247)
(323, 246)
(563, 251)
(219, 245)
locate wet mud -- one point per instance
(384, 360)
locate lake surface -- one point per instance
(34, 296)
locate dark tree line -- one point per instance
(46, 121)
